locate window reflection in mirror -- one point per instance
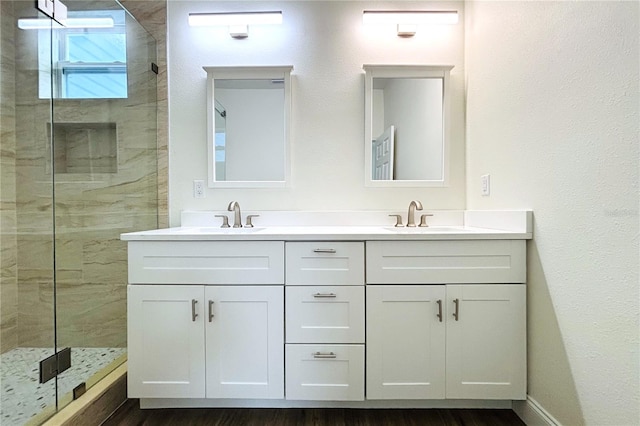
(406, 135)
(248, 126)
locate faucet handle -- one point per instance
(249, 217)
(423, 220)
(398, 220)
(225, 220)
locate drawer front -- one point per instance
(206, 262)
(325, 263)
(325, 314)
(440, 262)
(324, 372)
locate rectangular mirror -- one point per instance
(406, 125)
(248, 110)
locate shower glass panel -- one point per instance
(105, 169)
(78, 168)
(27, 292)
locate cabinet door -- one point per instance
(486, 344)
(165, 341)
(405, 342)
(245, 342)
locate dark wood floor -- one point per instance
(130, 414)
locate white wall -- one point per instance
(327, 44)
(552, 115)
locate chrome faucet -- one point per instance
(237, 218)
(413, 206)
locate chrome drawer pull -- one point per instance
(194, 315)
(456, 313)
(320, 250)
(211, 310)
(324, 355)
(439, 302)
(326, 295)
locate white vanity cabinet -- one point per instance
(354, 317)
(209, 340)
(446, 339)
(325, 331)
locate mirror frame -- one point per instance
(248, 73)
(406, 71)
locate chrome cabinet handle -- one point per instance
(321, 250)
(194, 314)
(325, 295)
(456, 313)
(211, 310)
(439, 302)
(324, 355)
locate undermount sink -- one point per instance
(426, 230)
(217, 230)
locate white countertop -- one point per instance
(512, 225)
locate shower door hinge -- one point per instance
(79, 390)
(46, 7)
(53, 9)
(51, 366)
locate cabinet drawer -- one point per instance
(325, 372)
(439, 262)
(206, 262)
(325, 263)
(325, 314)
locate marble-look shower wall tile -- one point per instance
(68, 253)
(35, 252)
(8, 242)
(153, 16)
(100, 320)
(35, 314)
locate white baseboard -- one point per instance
(533, 414)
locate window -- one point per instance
(88, 63)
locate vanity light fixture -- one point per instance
(238, 22)
(40, 24)
(408, 20)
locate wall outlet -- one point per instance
(198, 189)
(485, 183)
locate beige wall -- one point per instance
(552, 115)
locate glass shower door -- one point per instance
(27, 291)
(77, 168)
(105, 162)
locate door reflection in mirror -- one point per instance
(407, 125)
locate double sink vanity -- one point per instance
(329, 309)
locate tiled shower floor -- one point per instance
(22, 396)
